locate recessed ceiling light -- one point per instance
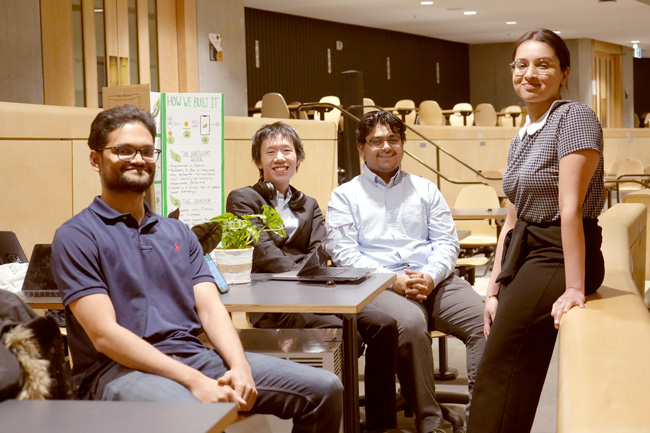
(469, 13)
(426, 3)
(635, 42)
(511, 22)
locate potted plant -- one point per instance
(238, 235)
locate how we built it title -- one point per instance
(193, 101)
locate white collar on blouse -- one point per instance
(531, 128)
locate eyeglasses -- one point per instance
(393, 141)
(540, 67)
(127, 153)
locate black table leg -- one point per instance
(350, 374)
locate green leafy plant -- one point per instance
(240, 232)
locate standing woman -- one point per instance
(548, 256)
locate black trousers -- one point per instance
(379, 332)
(518, 352)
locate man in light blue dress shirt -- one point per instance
(401, 223)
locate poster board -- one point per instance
(189, 174)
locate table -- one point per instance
(499, 214)
(403, 111)
(513, 115)
(463, 234)
(463, 112)
(263, 295)
(80, 416)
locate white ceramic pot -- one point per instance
(234, 265)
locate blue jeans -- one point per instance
(312, 397)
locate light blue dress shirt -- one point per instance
(405, 224)
(289, 218)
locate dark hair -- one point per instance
(109, 120)
(551, 39)
(274, 130)
(370, 120)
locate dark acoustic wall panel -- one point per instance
(293, 61)
(641, 86)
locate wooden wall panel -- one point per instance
(167, 46)
(188, 56)
(36, 179)
(123, 42)
(90, 53)
(293, 61)
(85, 180)
(144, 66)
(111, 42)
(56, 40)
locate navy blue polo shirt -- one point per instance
(148, 271)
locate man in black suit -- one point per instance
(277, 151)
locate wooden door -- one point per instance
(607, 89)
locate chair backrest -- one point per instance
(637, 121)
(612, 171)
(486, 115)
(274, 105)
(302, 114)
(629, 166)
(258, 104)
(478, 196)
(430, 114)
(646, 120)
(406, 103)
(507, 120)
(457, 119)
(333, 115)
(366, 102)
(496, 184)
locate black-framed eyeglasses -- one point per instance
(127, 153)
(392, 140)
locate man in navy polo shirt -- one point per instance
(138, 293)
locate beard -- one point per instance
(124, 183)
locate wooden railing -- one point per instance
(604, 349)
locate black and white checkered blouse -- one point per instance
(532, 178)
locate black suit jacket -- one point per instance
(273, 253)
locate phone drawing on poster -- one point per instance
(205, 125)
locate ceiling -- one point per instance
(618, 22)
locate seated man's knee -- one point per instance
(377, 325)
(328, 388)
